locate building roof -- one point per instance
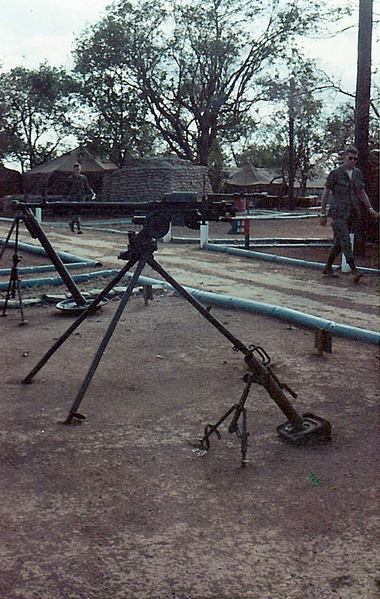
(249, 175)
(65, 163)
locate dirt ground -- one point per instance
(121, 506)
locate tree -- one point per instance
(339, 132)
(194, 65)
(35, 113)
(294, 133)
(118, 123)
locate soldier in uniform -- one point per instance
(77, 189)
(347, 187)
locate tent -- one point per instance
(249, 176)
(255, 180)
(52, 176)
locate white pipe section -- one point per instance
(39, 215)
(59, 281)
(204, 235)
(278, 259)
(168, 237)
(37, 249)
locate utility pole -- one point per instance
(291, 161)
(362, 106)
(363, 82)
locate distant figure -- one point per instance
(346, 184)
(77, 190)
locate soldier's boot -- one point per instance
(354, 271)
(328, 270)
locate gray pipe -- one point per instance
(227, 301)
(273, 258)
(59, 281)
(46, 268)
(35, 249)
(288, 314)
(232, 242)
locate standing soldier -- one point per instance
(77, 190)
(346, 184)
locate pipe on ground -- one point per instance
(46, 268)
(288, 314)
(34, 249)
(274, 258)
(226, 301)
(59, 281)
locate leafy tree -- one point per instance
(194, 66)
(270, 152)
(118, 114)
(35, 107)
(308, 124)
(339, 132)
(292, 141)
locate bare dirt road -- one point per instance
(121, 507)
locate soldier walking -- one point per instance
(77, 190)
(347, 187)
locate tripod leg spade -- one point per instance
(73, 411)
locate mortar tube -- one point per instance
(277, 259)
(287, 314)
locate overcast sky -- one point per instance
(32, 31)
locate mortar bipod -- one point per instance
(298, 430)
(239, 410)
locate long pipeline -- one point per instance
(274, 258)
(227, 301)
(36, 249)
(59, 281)
(45, 268)
(279, 312)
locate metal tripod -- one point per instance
(25, 215)
(14, 280)
(140, 251)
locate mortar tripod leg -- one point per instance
(105, 340)
(89, 310)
